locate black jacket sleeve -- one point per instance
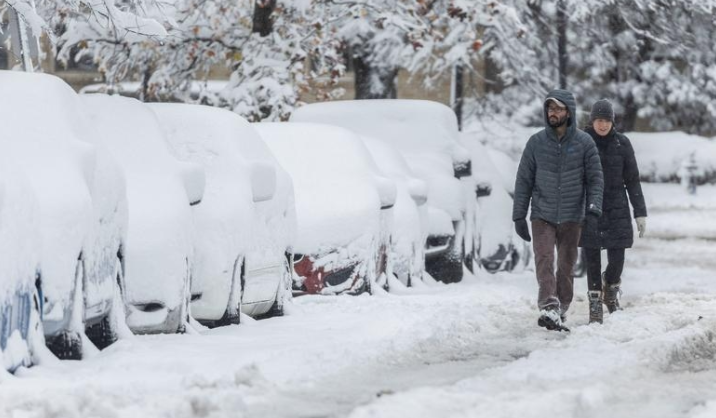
(631, 178)
(524, 182)
(594, 178)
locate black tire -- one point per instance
(101, 334)
(66, 346)
(277, 307)
(446, 267)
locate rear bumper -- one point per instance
(153, 318)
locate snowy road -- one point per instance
(466, 350)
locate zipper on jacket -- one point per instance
(559, 180)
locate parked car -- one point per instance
(342, 207)
(500, 248)
(158, 253)
(81, 208)
(426, 134)
(244, 222)
(409, 228)
(21, 331)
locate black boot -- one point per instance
(596, 311)
(611, 295)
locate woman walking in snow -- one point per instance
(613, 230)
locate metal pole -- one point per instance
(456, 92)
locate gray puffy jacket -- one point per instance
(557, 175)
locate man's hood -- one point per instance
(567, 98)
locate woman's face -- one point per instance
(602, 126)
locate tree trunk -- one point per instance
(373, 82)
(262, 22)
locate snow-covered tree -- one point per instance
(654, 59)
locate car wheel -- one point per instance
(469, 259)
(36, 335)
(284, 290)
(105, 333)
(447, 267)
(68, 344)
(232, 315)
(184, 318)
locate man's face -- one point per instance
(602, 126)
(556, 115)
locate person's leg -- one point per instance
(594, 268)
(594, 284)
(567, 240)
(613, 278)
(615, 265)
(544, 236)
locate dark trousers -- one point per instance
(615, 265)
(555, 290)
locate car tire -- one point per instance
(104, 333)
(68, 344)
(184, 315)
(284, 290)
(36, 335)
(447, 267)
(230, 317)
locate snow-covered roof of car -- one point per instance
(409, 125)
(206, 136)
(336, 196)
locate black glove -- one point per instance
(591, 223)
(522, 230)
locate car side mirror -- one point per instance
(462, 168)
(483, 190)
(386, 191)
(194, 179)
(418, 190)
(263, 181)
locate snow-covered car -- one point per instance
(500, 248)
(158, 253)
(20, 287)
(342, 207)
(244, 221)
(81, 208)
(426, 133)
(409, 229)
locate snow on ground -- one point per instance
(466, 350)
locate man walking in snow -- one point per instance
(559, 174)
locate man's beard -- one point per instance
(560, 121)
